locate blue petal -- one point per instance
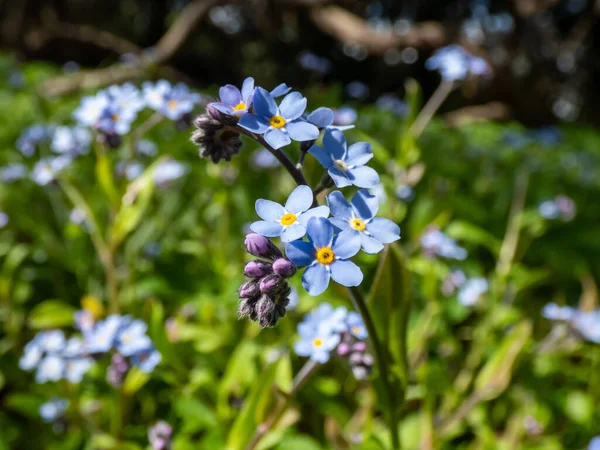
(316, 279)
(322, 155)
(264, 105)
(359, 154)
(303, 348)
(254, 123)
(280, 90)
(268, 210)
(340, 224)
(299, 200)
(320, 356)
(230, 95)
(300, 253)
(247, 88)
(268, 229)
(346, 244)
(321, 117)
(384, 230)
(365, 205)
(339, 206)
(335, 143)
(292, 106)
(293, 232)
(369, 244)
(339, 178)
(276, 138)
(302, 131)
(363, 176)
(319, 211)
(222, 107)
(320, 232)
(346, 273)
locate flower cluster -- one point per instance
(53, 410)
(265, 296)
(470, 290)
(455, 63)
(585, 323)
(160, 435)
(561, 208)
(327, 330)
(436, 243)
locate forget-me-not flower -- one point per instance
(289, 221)
(32, 137)
(316, 343)
(345, 166)
(434, 242)
(133, 339)
(235, 102)
(358, 217)
(71, 141)
(324, 117)
(171, 101)
(46, 169)
(471, 291)
(279, 124)
(13, 172)
(325, 315)
(102, 338)
(53, 410)
(455, 63)
(552, 311)
(356, 326)
(76, 368)
(169, 170)
(325, 256)
(50, 368)
(146, 359)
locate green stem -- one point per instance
(430, 108)
(382, 361)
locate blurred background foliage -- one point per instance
(496, 375)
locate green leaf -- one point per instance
(196, 416)
(135, 380)
(25, 404)
(104, 174)
(468, 232)
(51, 314)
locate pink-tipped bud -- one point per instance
(359, 347)
(284, 268)
(249, 289)
(269, 284)
(343, 349)
(256, 244)
(257, 269)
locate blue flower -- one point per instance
(324, 117)
(389, 102)
(587, 323)
(76, 368)
(471, 291)
(13, 172)
(344, 115)
(316, 343)
(133, 339)
(53, 410)
(358, 217)
(356, 326)
(32, 355)
(233, 101)
(146, 359)
(279, 124)
(325, 315)
(169, 170)
(46, 169)
(594, 444)
(50, 368)
(552, 311)
(455, 63)
(71, 141)
(171, 101)
(103, 337)
(434, 242)
(345, 166)
(288, 222)
(325, 256)
(32, 137)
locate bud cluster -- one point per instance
(215, 142)
(355, 352)
(264, 297)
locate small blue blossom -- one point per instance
(587, 323)
(346, 166)
(455, 63)
(146, 147)
(50, 368)
(316, 343)
(434, 242)
(104, 334)
(388, 102)
(46, 169)
(32, 355)
(279, 124)
(310, 61)
(471, 291)
(561, 207)
(325, 256)
(130, 170)
(133, 339)
(405, 192)
(13, 172)
(4, 219)
(288, 222)
(171, 101)
(32, 137)
(326, 316)
(552, 311)
(76, 368)
(264, 159)
(72, 141)
(146, 359)
(594, 444)
(53, 410)
(358, 217)
(356, 326)
(233, 101)
(84, 321)
(324, 117)
(344, 115)
(293, 298)
(169, 170)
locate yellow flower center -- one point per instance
(172, 104)
(325, 255)
(288, 219)
(317, 342)
(277, 122)
(356, 330)
(340, 165)
(115, 117)
(241, 106)
(357, 224)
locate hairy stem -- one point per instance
(430, 108)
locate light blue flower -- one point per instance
(169, 170)
(471, 291)
(455, 63)
(171, 101)
(344, 115)
(587, 323)
(76, 368)
(323, 118)
(288, 222)
(325, 256)
(389, 102)
(32, 137)
(326, 316)
(103, 337)
(133, 339)
(264, 159)
(32, 355)
(356, 326)
(146, 359)
(50, 368)
(4, 219)
(146, 147)
(293, 298)
(233, 101)
(279, 124)
(52, 341)
(594, 444)
(552, 311)
(53, 410)
(358, 217)
(345, 166)
(71, 141)
(84, 321)
(434, 242)
(13, 172)
(46, 170)
(73, 347)
(316, 343)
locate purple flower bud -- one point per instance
(360, 373)
(343, 349)
(368, 359)
(249, 289)
(257, 269)
(355, 359)
(284, 267)
(258, 245)
(359, 347)
(271, 284)
(218, 115)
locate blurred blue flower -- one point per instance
(326, 316)
(104, 334)
(561, 207)
(455, 63)
(594, 444)
(358, 217)
(50, 368)
(53, 410)
(233, 101)
(13, 172)
(345, 166)
(279, 124)
(132, 339)
(146, 359)
(31, 356)
(264, 159)
(405, 192)
(76, 368)
(325, 256)
(72, 141)
(356, 325)
(389, 102)
(169, 170)
(316, 343)
(171, 101)
(52, 341)
(552, 311)
(357, 89)
(434, 242)
(146, 147)
(131, 170)
(32, 137)
(344, 115)
(84, 321)
(310, 61)
(46, 169)
(587, 323)
(471, 291)
(4, 219)
(293, 298)
(288, 222)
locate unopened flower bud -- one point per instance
(246, 308)
(359, 346)
(219, 116)
(257, 269)
(271, 284)
(355, 359)
(284, 268)
(368, 359)
(360, 373)
(343, 349)
(249, 289)
(215, 142)
(111, 140)
(258, 245)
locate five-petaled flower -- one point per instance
(279, 124)
(316, 342)
(345, 166)
(325, 256)
(171, 101)
(233, 101)
(358, 217)
(287, 221)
